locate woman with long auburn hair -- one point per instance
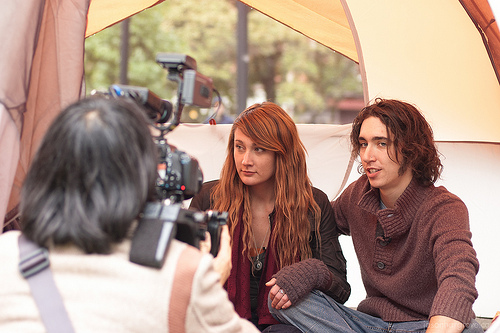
(283, 231)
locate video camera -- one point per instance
(179, 174)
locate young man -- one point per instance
(412, 239)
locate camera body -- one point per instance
(179, 174)
(161, 223)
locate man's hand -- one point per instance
(278, 296)
(444, 324)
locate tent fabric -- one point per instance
(21, 20)
(310, 18)
(45, 70)
(482, 15)
(16, 55)
(102, 14)
(439, 64)
(440, 55)
(9, 150)
(320, 20)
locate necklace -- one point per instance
(257, 260)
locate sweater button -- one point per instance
(383, 243)
(380, 265)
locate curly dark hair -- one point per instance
(411, 135)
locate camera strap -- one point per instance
(34, 267)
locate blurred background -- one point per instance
(250, 57)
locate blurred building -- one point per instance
(347, 109)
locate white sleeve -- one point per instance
(210, 309)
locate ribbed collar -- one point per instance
(395, 221)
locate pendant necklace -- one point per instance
(257, 262)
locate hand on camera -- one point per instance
(222, 262)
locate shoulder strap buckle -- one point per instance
(34, 262)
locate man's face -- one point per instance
(376, 150)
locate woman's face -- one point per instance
(255, 165)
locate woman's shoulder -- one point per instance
(209, 185)
(201, 200)
(319, 195)
(9, 249)
(9, 238)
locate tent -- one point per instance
(444, 56)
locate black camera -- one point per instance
(179, 174)
(160, 223)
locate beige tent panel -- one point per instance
(323, 21)
(439, 64)
(102, 14)
(430, 53)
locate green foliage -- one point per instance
(292, 70)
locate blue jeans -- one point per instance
(320, 313)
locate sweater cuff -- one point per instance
(338, 289)
(299, 279)
(453, 306)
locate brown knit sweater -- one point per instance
(416, 260)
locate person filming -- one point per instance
(94, 171)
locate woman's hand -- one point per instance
(222, 262)
(292, 283)
(278, 296)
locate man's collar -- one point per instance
(395, 221)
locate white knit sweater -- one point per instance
(108, 293)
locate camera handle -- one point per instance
(154, 233)
(175, 75)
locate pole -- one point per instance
(124, 51)
(242, 57)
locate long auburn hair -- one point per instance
(413, 138)
(271, 128)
